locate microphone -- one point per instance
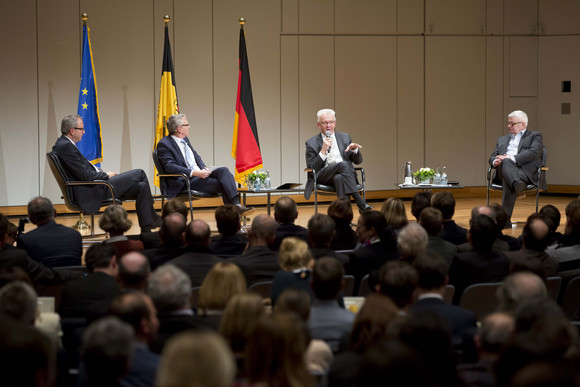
(328, 136)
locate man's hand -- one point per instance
(499, 159)
(202, 173)
(111, 174)
(352, 146)
(326, 144)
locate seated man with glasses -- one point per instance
(517, 157)
(331, 154)
(132, 184)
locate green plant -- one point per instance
(424, 173)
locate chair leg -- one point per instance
(81, 224)
(315, 201)
(537, 196)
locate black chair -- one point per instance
(494, 181)
(571, 299)
(66, 184)
(449, 293)
(553, 285)
(348, 289)
(480, 298)
(187, 194)
(363, 288)
(263, 288)
(329, 190)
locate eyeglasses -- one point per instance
(185, 125)
(324, 123)
(512, 123)
(83, 129)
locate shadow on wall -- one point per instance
(52, 134)
(126, 155)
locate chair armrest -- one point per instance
(94, 182)
(182, 175)
(362, 173)
(308, 170)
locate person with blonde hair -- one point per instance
(196, 358)
(296, 262)
(116, 222)
(394, 211)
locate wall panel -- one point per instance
(456, 17)
(559, 16)
(366, 16)
(316, 17)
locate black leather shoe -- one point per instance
(246, 210)
(366, 208)
(520, 187)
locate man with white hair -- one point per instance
(331, 154)
(517, 157)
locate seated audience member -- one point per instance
(152, 239)
(134, 271)
(433, 278)
(374, 325)
(394, 211)
(517, 288)
(171, 235)
(115, 222)
(169, 288)
(223, 281)
(345, 237)
(230, 242)
(196, 259)
(412, 241)
(106, 352)
(296, 263)
(137, 310)
(238, 322)
(492, 337)
(275, 352)
(51, 244)
(328, 320)
(420, 201)
(90, 297)
(498, 245)
(18, 303)
(258, 262)
(501, 218)
(11, 235)
(285, 213)
(567, 250)
(432, 221)
(445, 202)
(553, 215)
(398, 281)
(320, 232)
(213, 363)
(535, 237)
(378, 245)
(480, 264)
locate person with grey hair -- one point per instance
(128, 185)
(18, 303)
(51, 244)
(517, 157)
(412, 241)
(331, 154)
(170, 288)
(177, 155)
(519, 287)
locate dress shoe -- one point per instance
(366, 208)
(246, 210)
(520, 187)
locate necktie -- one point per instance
(188, 155)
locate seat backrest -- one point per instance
(263, 288)
(363, 288)
(194, 296)
(348, 285)
(61, 178)
(571, 300)
(554, 283)
(449, 293)
(160, 170)
(480, 298)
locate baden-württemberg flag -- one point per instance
(167, 95)
(245, 144)
(91, 146)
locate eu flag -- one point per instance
(91, 146)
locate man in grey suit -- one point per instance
(331, 154)
(517, 157)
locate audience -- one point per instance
(171, 236)
(431, 220)
(567, 250)
(498, 245)
(517, 288)
(296, 263)
(502, 218)
(229, 242)
(345, 238)
(152, 239)
(398, 281)
(321, 230)
(420, 201)
(134, 271)
(18, 303)
(114, 221)
(412, 241)
(445, 202)
(285, 213)
(394, 211)
(553, 215)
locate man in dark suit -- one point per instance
(196, 261)
(331, 154)
(517, 157)
(171, 233)
(230, 242)
(51, 244)
(320, 232)
(178, 156)
(259, 263)
(132, 184)
(432, 221)
(452, 232)
(285, 213)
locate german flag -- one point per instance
(167, 95)
(245, 144)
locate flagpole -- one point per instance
(242, 21)
(166, 19)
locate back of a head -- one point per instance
(240, 318)
(295, 301)
(172, 229)
(495, 331)
(327, 278)
(107, 345)
(131, 308)
(285, 210)
(374, 219)
(169, 288)
(14, 273)
(263, 229)
(294, 254)
(572, 205)
(398, 280)
(432, 220)
(197, 233)
(114, 220)
(444, 202)
(223, 281)
(501, 216)
(573, 226)
(227, 218)
(40, 210)
(18, 302)
(552, 213)
(432, 270)
(412, 240)
(536, 232)
(134, 270)
(321, 230)
(99, 256)
(394, 211)
(483, 233)
(214, 364)
(420, 201)
(482, 210)
(519, 287)
(174, 205)
(3, 226)
(340, 211)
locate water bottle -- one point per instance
(267, 182)
(408, 173)
(437, 178)
(257, 184)
(444, 177)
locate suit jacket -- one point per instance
(329, 322)
(143, 367)
(161, 255)
(345, 238)
(453, 233)
(498, 246)
(529, 153)
(534, 259)
(313, 160)
(53, 245)
(319, 252)
(567, 256)
(285, 230)
(38, 273)
(196, 262)
(230, 245)
(442, 247)
(172, 159)
(77, 167)
(172, 323)
(258, 263)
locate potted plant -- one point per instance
(424, 175)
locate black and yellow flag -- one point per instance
(167, 95)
